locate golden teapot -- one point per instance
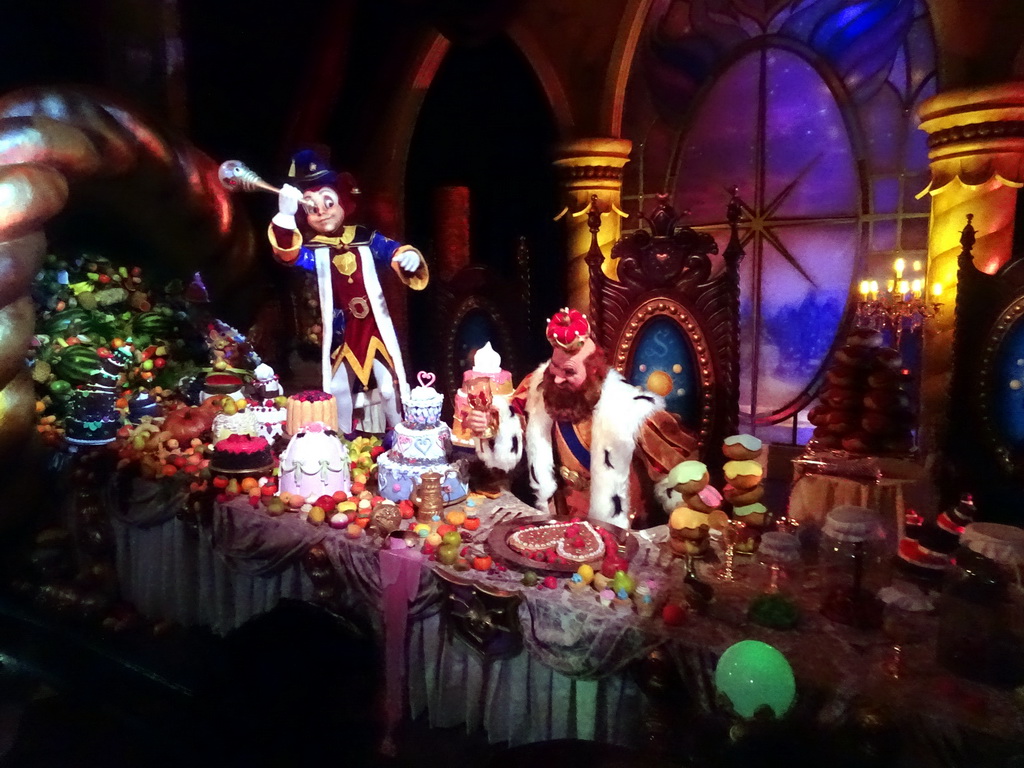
(426, 496)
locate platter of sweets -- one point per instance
(557, 546)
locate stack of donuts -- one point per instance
(864, 407)
(744, 489)
(689, 532)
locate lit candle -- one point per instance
(917, 266)
(865, 288)
(874, 289)
(904, 287)
(915, 288)
(898, 266)
(891, 286)
(937, 290)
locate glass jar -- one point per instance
(977, 636)
(852, 561)
(780, 563)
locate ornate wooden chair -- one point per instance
(670, 322)
(985, 440)
(482, 616)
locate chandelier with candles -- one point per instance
(904, 304)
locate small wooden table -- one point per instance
(824, 481)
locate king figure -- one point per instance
(596, 446)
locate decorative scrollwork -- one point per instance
(485, 618)
(694, 335)
(666, 269)
(667, 256)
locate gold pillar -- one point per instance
(976, 153)
(588, 167)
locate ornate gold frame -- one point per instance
(994, 341)
(661, 307)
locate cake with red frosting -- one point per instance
(575, 542)
(310, 407)
(241, 453)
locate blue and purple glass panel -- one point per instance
(664, 363)
(720, 148)
(771, 123)
(809, 171)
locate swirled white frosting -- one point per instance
(486, 360)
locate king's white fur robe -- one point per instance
(618, 418)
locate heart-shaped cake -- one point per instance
(576, 542)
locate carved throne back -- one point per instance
(984, 442)
(672, 325)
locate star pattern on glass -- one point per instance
(762, 223)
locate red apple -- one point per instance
(673, 615)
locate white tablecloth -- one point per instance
(171, 570)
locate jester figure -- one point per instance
(359, 346)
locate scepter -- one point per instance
(235, 175)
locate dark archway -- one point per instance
(485, 124)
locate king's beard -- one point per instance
(575, 405)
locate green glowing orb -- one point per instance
(752, 674)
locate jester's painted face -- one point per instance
(324, 211)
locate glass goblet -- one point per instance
(905, 629)
(731, 535)
(481, 398)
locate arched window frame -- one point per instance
(869, 258)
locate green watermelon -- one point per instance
(77, 363)
(99, 326)
(64, 322)
(153, 325)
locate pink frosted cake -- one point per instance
(315, 463)
(487, 365)
(242, 453)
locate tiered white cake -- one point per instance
(422, 444)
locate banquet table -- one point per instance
(575, 675)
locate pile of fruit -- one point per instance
(88, 309)
(363, 453)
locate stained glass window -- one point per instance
(808, 107)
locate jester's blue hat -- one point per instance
(310, 168)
